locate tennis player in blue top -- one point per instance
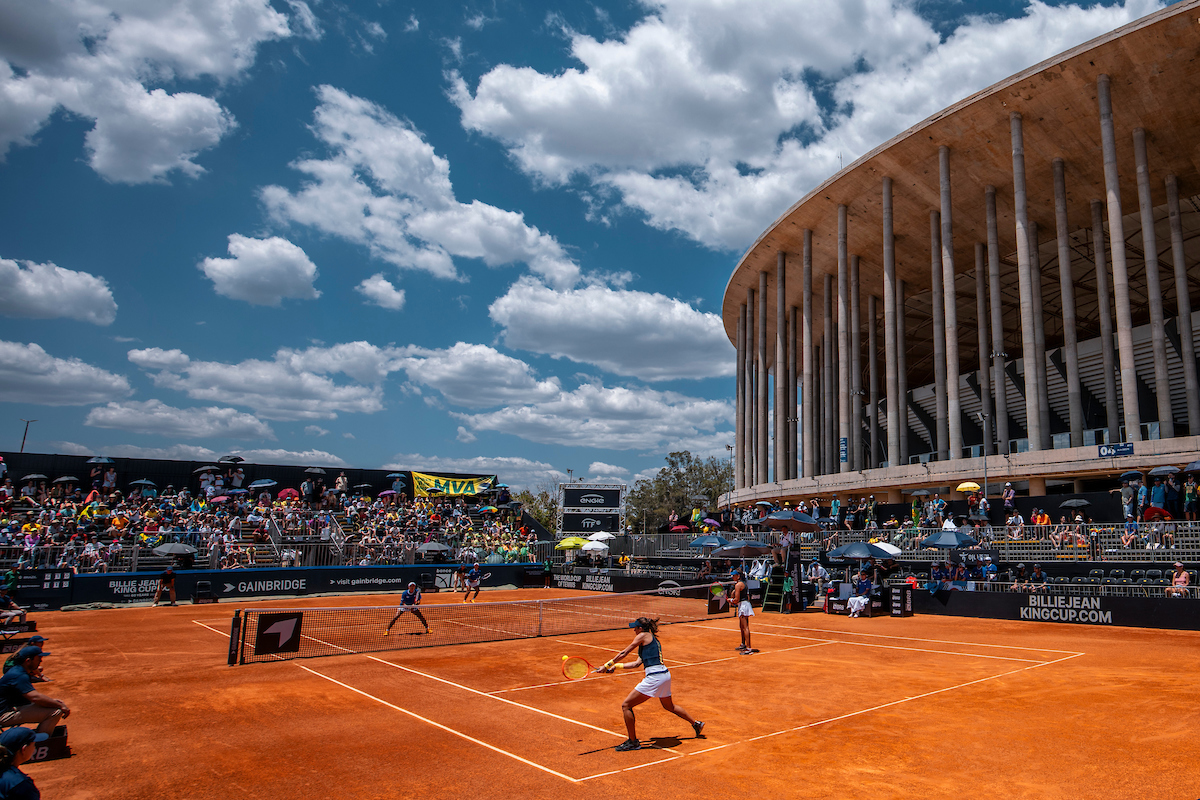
(410, 598)
(656, 683)
(474, 576)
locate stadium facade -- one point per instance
(1002, 288)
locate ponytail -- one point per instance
(6, 758)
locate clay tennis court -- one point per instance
(830, 707)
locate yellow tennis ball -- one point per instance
(564, 658)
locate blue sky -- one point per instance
(482, 237)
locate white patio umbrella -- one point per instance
(595, 546)
(602, 536)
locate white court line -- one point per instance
(897, 647)
(501, 699)
(472, 739)
(211, 628)
(846, 716)
(916, 639)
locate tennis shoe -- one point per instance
(698, 727)
(629, 744)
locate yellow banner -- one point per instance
(433, 486)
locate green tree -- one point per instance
(542, 506)
(683, 478)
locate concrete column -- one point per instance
(1184, 310)
(810, 395)
(953, 406)
(981, 334)
(938, 303)
(751, 393)
(902, 368)
(890, 318)
(856, 388)
(1033, 417)
(781, 375)
(1066, 288)
(1158, 334)
(830, 407)
(1039, 334)
(819, 407)
(873, 378)
(792, 404)
(1120, 269)
(739, 437)
(762, 446)
(998, 355)
(1104, 311)
(1037, 487)
(843, 341)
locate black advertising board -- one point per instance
(591, 523)
(591, 498)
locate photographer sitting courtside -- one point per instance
(20, 703)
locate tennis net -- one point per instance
(279, 634)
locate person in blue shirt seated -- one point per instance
(862, 595)
(990, 573)
(20, 703)
(17, 745)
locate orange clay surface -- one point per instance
(928, 707)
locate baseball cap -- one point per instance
(412, 583)
(28, 652)
(37, 640)
(14, 739)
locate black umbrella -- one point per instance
(1076, 503)
(1132, 475)
(36, 476)
(742, 549)
(143, 482)
(827, 520)
(362, 486)
(977, 517)
(209, 468)
(858, 551)
(919, 493)
(100, 460)
(949, 539)
(66, 479)
(433, 547)
(791, 521)
(1192, 467)
(231, 459)
(315, 471)
(1162, 472)
(174, 549)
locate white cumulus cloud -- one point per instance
(107, 62)
(190, 452)
(47, 291)
(380, 291)
(711, 117)
(518, 473)
(262, 271)
(384, 187)
(28, 374)
(477, 376)
(156, 417)
(294, 385)
(639, 334)
(613, 418)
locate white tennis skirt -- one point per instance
(657, 684)
(745, 609)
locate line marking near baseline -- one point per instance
(917, 639)
(500, 699)
(211, 628)
(459, 734)
(898, 647)
(845, 716)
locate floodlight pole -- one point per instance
(26, 434)
(987, 438)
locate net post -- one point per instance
(541, 606)
(235, 637)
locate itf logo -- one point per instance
(590, 523)
(278, 633)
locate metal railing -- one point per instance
(1095, 588)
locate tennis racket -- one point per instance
(574, 667)
(485, 576)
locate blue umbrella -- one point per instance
(949, 539)
(101, 460)
(791, 521)
(265, 483)
(858, 551)
(237, 491)
(708, 541)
